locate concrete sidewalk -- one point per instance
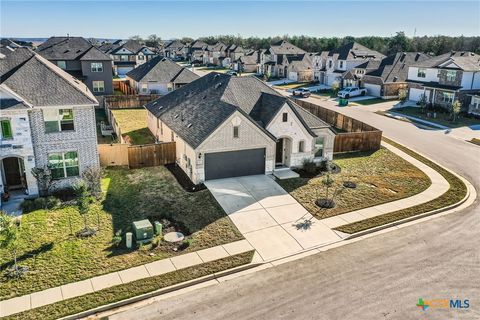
(75, 289)
(270, 218)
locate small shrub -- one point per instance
(309, 166)
(40, 203)
(52, 202)
(117, 238)
(184, 245)
(27, 206)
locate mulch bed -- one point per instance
(183, 179)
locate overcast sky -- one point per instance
(168, 19)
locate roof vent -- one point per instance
(395, 79)
(154, 103)
(175, 116)
(216, 76)
(66, 51)
(189, 125)
(218, 85)
(462, 53)
(204, 97)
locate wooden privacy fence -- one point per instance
(359, 136)
(129, 101)
(149, 155)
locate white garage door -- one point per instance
(372, 89)
(292, 76)
(415, 94)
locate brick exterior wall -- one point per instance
(442, 78)
(83, 140)
(390, 90)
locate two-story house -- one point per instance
(216, 53)
(343, 59)
(446, 78)
(47, 120)
(175, 50)
(82, 60)
(128, 55)
(274, 60)
(159, 76)
(390, 76)
(197, 50)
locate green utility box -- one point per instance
(142, 230)
(343, 102)
(158, 228)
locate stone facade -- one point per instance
(20, 146)
(442, 78)
(83, 140)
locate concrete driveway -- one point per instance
(268, 216)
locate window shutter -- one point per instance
(6, 129)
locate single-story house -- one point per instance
(228, 126)
(159, 76)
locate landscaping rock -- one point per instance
(325, 203)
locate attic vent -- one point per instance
(154, 103)
(66, 51)
(216, 76)
(218, 85)
(176, 116)
(462, 53)
(204, 97)
(189, 125)
(395, 78)
(160, 108)
(79, 50)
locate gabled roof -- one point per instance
(41, 83)
(355, 51)
(68, 48)
(219, 46)
(11, 60)
(394, 68)
(174, 45)
(198, 45)
(133, 46)
(162, 70)
(463, 60)
(94, 54)
(194, 111)
(285, 47)
(250, 58)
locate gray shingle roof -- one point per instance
(355, 51)
(162, 70)
(94, 54)
(394, 68)
(131, 45)
(13, 60)
(284, 47)
(465, 60)
(12, 104)
(197, 109)
(41, 83)
(69, 48)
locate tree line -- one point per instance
(433, 45)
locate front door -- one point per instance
(11, 168)
(279, 152)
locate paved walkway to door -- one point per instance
(268, 216)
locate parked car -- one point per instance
(301, 92)
(350, 92)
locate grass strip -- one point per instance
(456, 192)
(131, 289)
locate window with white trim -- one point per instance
(57, 120)
(451, 75)
(96, 67)
(447, 97)
(144, 87)
(319, 144)
(98, 86)
(421, 72)
(63, 164)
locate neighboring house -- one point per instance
(234, 52)
(175, 50)
(129, 55)
(81, 59)
(226, 126)
(343, 59)
(217, 53)
(274, 60)
(391, 74)
(197, 50)
(446, 78)
(298, 68)
(247, 63)
(47, 119)
(353, 78)
(159, 76)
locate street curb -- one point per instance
(394, 115)
(161, 291)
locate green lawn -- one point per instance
(367, 102)
(133, 123)
(443, 118)
(293, 85)
(129, 195)
(456, 192)
(132, 289)
(381, 177)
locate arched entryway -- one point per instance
(13, 175)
